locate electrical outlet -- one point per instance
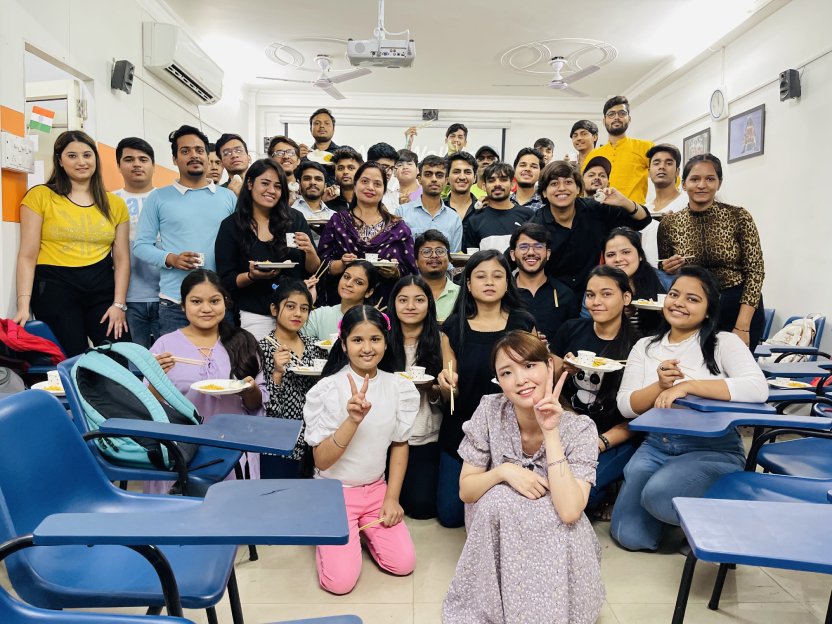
(17, 153)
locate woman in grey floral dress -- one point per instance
(283, 349)
(531, 554)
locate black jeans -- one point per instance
(729, 303)
(72, 300)
(418, 496)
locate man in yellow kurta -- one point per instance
(627, 156)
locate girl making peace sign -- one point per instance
(528, 466)
(353, 415)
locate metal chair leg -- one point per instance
(252, 553)
(122, 485)
(212, 615)
(828, 619)
(684, 589)
(154, 611)
(234, 599)
(713, 604)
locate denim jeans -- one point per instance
(171, 317)
(666, 466)
(610, 468)
(143, 321)
(450, 510)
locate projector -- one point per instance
(381, 52)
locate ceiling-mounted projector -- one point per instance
(381, 52)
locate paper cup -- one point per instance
(471, 250)
(660, 299)
(54, 378)
(318, 363)
(417, 372)
(290, 240)
(371, 257)
(333, 337)
(585, 357)
(200, 260)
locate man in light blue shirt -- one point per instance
(185, 217)
(429, 212)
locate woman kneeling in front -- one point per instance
(689, 355)
(531, 554)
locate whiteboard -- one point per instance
(428, 140)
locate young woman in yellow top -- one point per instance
(73, 264)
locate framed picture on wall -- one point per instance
(746, 134)
(696, 144)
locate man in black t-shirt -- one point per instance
(492, 226)
(550, 301)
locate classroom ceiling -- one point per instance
(463, 46)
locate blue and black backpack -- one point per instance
(109, 389)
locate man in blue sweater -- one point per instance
(185, 218)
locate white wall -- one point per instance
(87, 36)
(785, 188)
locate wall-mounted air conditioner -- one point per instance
(170, 54)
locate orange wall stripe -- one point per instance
(112, 176)
(13, 182)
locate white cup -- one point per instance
(318, 363)
(417, 372)
(585, 357)
(471, 250)
(371, 257)
(333, 337)
(53, 378)
(660, 299)
(200, 260)
(290, 239)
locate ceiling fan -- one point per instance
(558, 82)
(324, 81)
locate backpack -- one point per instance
(10, 382)
(108, 389)
(799, 333)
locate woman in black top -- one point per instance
(487, 307)
(608, 334)
(623, 250)
(256, 232)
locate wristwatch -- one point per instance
(120, 306)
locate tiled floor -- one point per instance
(641, 588)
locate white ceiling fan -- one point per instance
(558, 82)
(324, 81)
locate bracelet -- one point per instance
(249, 276)
(556, 462)
(27, 295)
(745, 331)
(637, 206)
(336, 443)
(604, 439)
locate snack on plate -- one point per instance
(211, 387)
(406, 376)
(599, 361)
(53, 388)
(326, 343)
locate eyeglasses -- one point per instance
(621, 114)
(283, 153)
(427, 252)
(524, 247)
(232, 150)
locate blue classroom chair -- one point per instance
(769, 317)
(46, 468)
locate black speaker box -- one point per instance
(122, 78)
(789, 85)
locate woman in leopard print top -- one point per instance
(723, 239)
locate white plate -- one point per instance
(385, 263)
(785, 383)
(48, 387)
(268, 266)
(227, 386)
(326, 345)
(307, 371)
(609, 366)
(647, 304)
(460, 257)
(418, 381)
(317, 221)
(320, 156)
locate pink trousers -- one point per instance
(340, 566)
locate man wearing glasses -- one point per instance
(429, 212)
(549, 300)
(627, 156)
(233, 153)
(432, 248)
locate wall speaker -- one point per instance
(789, 85)
(122, 78)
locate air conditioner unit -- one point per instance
(170, 54)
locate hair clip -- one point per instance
(339, 329)
(386, 318)
(275, 286)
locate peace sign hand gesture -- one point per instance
(548, 409)
(358, 406)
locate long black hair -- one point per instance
(465, 306)
(382, 209)
(243, 350)
(280, 217)
(284, 289)
(710, 326)
(620, 346)
(428, 349)
(370, 271)
(646, 282)
(358, 314)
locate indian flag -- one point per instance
(42, 119)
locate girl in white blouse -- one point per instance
(353, 415)
(689, 355)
